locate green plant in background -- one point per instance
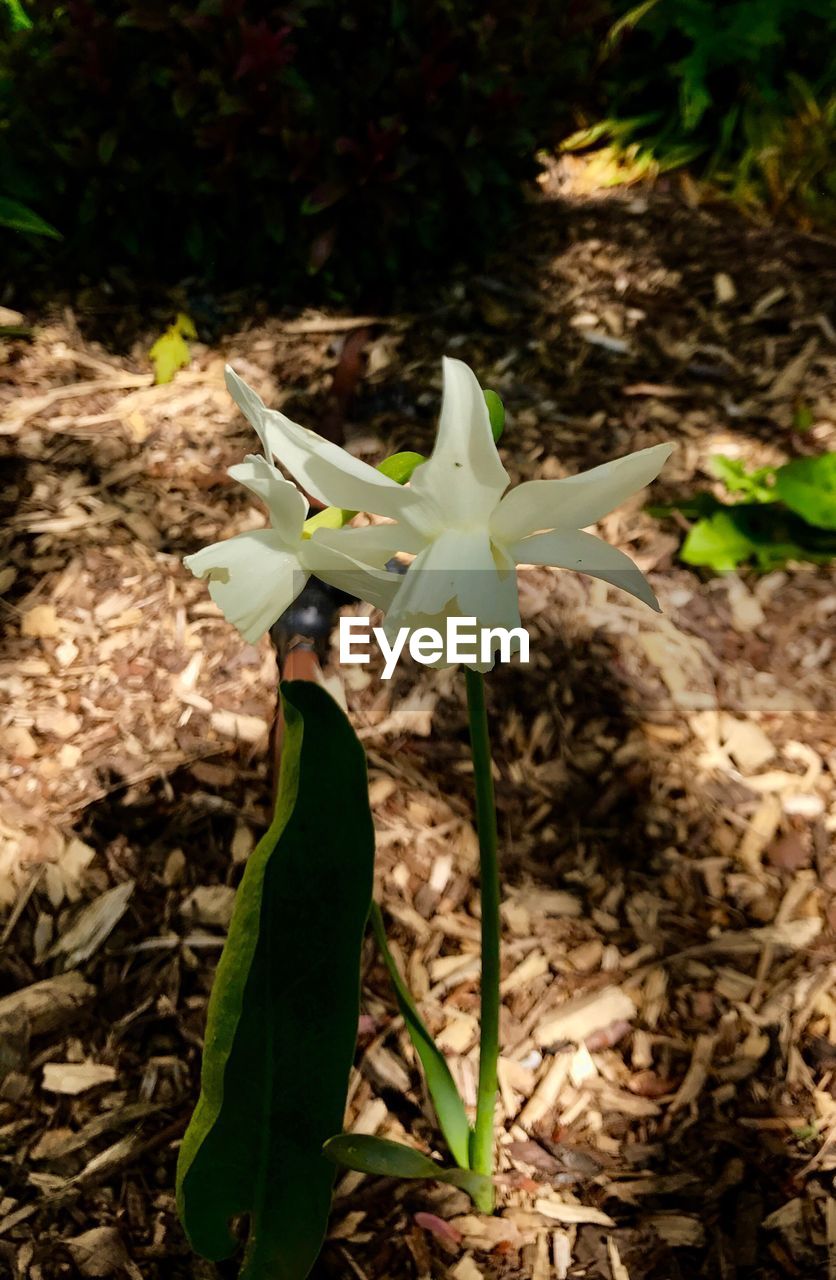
(253, 141)
(242, 141)
(744, 90)
(784, 513)
(282, 1017)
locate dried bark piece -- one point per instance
(94, 924)
(101, 1252)
(46, 1006)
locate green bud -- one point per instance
(400, 466)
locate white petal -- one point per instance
(375, 544)
(457, 575)
(327, 472)
(586, 554)
(250, 403)
(577, 501)
(463, 479)
(287, 506)
(343, 571)
(253, 578)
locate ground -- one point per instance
(667, 784)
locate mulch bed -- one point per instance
(667, 785)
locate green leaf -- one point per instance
(367, 1154)
(169, 353)
(496, 409)
(626, 23)
(18, 17)
(808, 487)
(19, 217)
(717, 543)
(185, 325)
(735, 477)
(449, 1107)
(767, 533)
(282, 1019)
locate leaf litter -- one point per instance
(667, 785)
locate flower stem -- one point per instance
(482, 1142)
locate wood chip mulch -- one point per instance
(667, 784)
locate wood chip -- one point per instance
(677, 1230)
(747, 744)
(547, 1092)
(75, 1077)
(581, 1017)
(42, 622)
(101, 1252)
(466, 1269)
(46, 1006)
(209, 904)
(697, 1073)
(94, 925)
(557, 1211)
(242, 728)
(724, 288)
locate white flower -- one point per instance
(466, 533)
(255, 576)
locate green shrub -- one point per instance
(744, 90)
(269, 142)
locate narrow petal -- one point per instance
(463, 479)
(586, 554)
(375, 544)
(577, 501)
(287, 506)
(457, 575)
(340, 570)
(327, 472)
(253, 579)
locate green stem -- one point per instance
(483, 1136)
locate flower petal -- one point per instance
(577, 501)
(287, 506)
(336, 568)
(375, 544)
(586, 554)
(463, 479)
(456, 575)
(327, 472)
(253, 579)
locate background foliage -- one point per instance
(745, 90)
(270, 141)
(243, 141)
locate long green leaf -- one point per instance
(449, 1107)
(282, 1019)
(19, 217)
(386, 1159)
